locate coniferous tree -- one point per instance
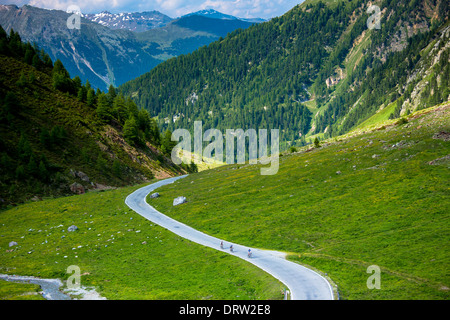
(131, 131)
(20, 172)
(166, 143)
(22, 82)
(43, 172)
(90, 97)
(24, 149)
(45, 138)
(316, 142)
(103, 107)
(119, 109)
(33, 166)
(36, 62)
(11, 103)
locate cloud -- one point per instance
(174, 8)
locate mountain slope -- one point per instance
(105, 56)
(211, 13)
(375, 198)
(54, 142)
(388, 66)
(185, 35)
(95, 53)
(303, 72)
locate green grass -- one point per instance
(121, 254)
(379, 117)
(19, 291)
(387, 207)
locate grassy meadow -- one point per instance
(19, 291)
(119, 253)
(378, 198)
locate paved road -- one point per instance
(303, 283)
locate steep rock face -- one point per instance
(430, 74)
(335, 78)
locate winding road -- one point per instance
(303, 283)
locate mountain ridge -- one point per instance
(102, 55)
(135, 21)
(319, 56)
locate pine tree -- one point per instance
(22, 82)
(132, 108)
(36, 61)
(3, 34)
(24, 149)
(131, 131)
(117, 168)
(46, 59)
(29, 53)
(43, 172)
(119, 109)
(103, 107)
(111, 94)
(11, 103)
(33, 167)
(61, 78)
(81, 95)
(166, 143)
(90, 97)
(20, 172)
(317, 142)
(45, 138)
(31, 78)
(60, 69)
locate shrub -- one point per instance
(317, 143)
(402, 121)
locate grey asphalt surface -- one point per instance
(303, 283)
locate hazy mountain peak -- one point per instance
(211, 13)
(133, 21)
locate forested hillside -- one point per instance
(317, 70)
(107, 56)
(59, 136)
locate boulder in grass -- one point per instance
(154, 195)
(12, 244)
(77, 188)
(179, 200)
(72, 228)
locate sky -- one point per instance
(265, 9)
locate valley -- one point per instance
(105, 56)
(378, 197)
(341, 190)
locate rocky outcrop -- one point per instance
(78, 174)
(77, 188)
